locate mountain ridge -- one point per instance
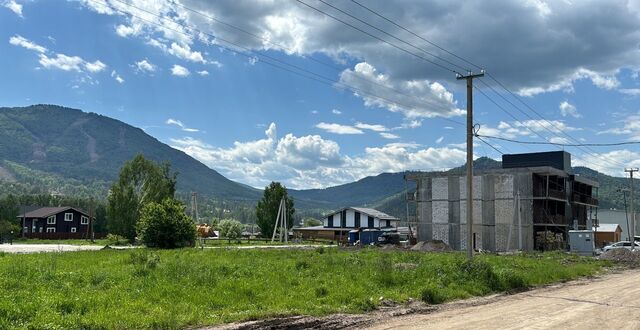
(48, 145)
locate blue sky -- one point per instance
(166, 67)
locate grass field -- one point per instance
(190, 287)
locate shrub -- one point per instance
(231, 229)
(431, 294)
(165, 225)
(114, 239)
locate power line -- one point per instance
(257, 37)
(555, 133)
(416, 35)
(560, 144)
(303, 72)
(378, 38)
(394, 37)
(471, 63)
(517, 120)
(489, 144)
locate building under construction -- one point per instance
(530, 203)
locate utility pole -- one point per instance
(632, 234)
(194, 207)
(469, 78)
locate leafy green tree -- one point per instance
(141, 181)
(267, 208)
(311, 222)
(165, 225)
(231, 229)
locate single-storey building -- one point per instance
(56, 222)
(607, 233)
(337, 225)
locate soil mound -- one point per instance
(631, 258)
(431, 246)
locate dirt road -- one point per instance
(611, 302)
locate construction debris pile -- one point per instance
(624, 256)
(431, 246)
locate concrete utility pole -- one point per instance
(469, 78)
(632, 234)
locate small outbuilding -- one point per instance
(607, 233)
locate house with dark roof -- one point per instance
(338, 224)
(56, 222)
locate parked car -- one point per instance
(621, 245)
(393, 238)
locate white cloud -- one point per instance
(203, 73)
(126, 31)
(14, 7)
(338, 128)
(180, 71)
(630, 127)
(533, 34)
(389, 135)
(182, 126)
(612, 164)
(531, 128)
(568, 109)
(372, 127)
(413, 98)
(117, 77)
(336, 112)
(95, 67)
(314, 112)
(49, 60)
(440, 139)
(18, 40)
(62, 62)
(630, 91)
(144, 66)
(184, 52)
(311, 161)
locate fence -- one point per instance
(61, 236)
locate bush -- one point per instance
(231, 229)
(165, 225)
(432, 295)
(113, 239)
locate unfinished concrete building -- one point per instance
(530, 203)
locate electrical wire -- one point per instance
(301, 71)
(443, 67)
(560, 144)
(488, 74)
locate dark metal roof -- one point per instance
(368, 211)
(44, 212)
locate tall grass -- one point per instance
(172, 289)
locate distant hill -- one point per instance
(60, 148)
(52, 149)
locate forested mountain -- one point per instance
(47, 149)
(58, 149)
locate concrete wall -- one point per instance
(442, 208)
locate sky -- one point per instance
(316, 93)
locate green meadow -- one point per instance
(171, 289)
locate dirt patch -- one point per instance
(334, 321)
(623, 256)
(431, 246)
